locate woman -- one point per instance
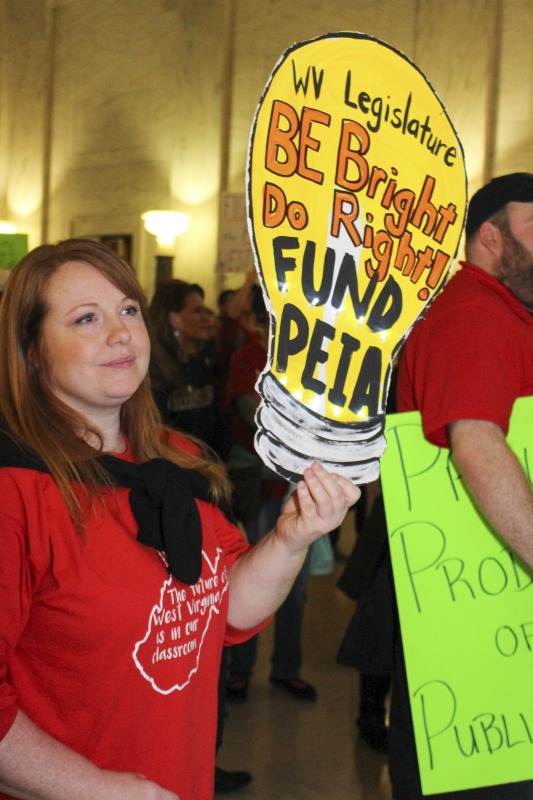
(120, 579)
(183, 369)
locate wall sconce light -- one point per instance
(165, 226)
(7, 227)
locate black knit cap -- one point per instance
(514, 188)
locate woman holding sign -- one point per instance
(121, 577)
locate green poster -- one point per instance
(13, 246)
(466, 614)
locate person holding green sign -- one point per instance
(462, 368)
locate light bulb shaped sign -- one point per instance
(356, 196)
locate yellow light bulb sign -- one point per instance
(356, 201)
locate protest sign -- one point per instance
(466, 614)
(13, 246)
(356, 195)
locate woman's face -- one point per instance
(93, 340)
(192, 322)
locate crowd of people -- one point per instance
(203, 371)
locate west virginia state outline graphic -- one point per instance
(169, 654)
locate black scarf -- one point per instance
(162, 500)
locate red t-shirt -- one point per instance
(246, 365)
(100, 646)
(470, 357)
(231, 335)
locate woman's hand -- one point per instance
(317, 506)
(261, 579)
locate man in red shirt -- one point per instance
(463, 367)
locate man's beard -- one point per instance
(516, 269)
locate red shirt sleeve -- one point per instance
(458, 368)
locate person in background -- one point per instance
(214, 325)
(115, 539)
(184, 378)
(368, 640)
(463, 366)
(234, 315)
(183, 367)
(257, 499)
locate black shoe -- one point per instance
(374, 733)
(226, 781)
(297, 687)
(237, 688)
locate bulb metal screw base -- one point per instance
(290, 437)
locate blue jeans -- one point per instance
(288, 619)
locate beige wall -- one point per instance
(111, 108)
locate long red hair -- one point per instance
(37, 418)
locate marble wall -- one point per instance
(109, 109)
